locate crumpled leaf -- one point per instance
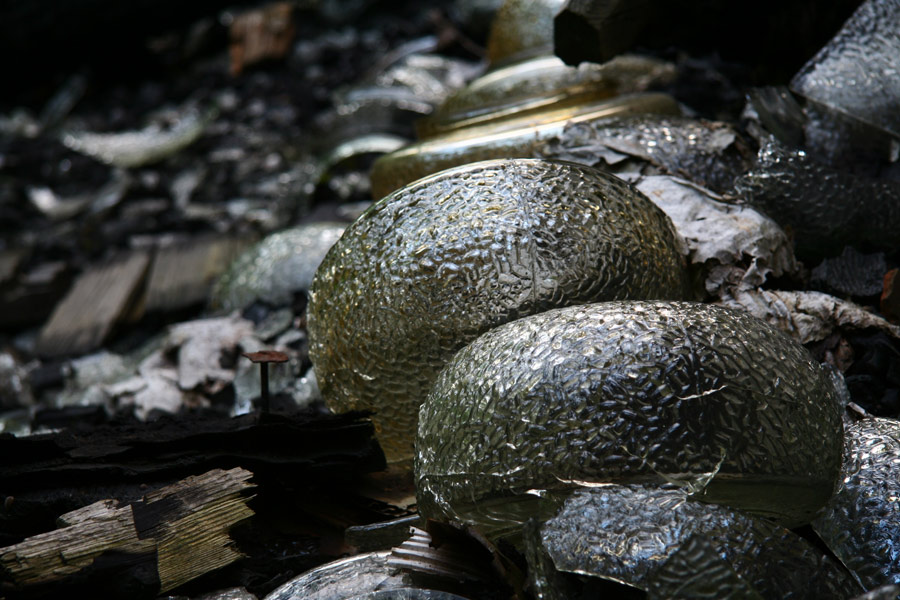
(722, 233)
(153, 389)
(201, 345)
(708, 153)
(806, 316)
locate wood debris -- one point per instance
(99, 299)
(182, 527)
(183, 274)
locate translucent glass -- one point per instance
(657, 540)
(636, 392)
(431, 267)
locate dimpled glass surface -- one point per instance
(706, 152)
(696, 570)
(861, 523)
(856, 72)
(629, 534)
(825, 207)
(632, 392)
(277, 267)
(439, 262)
(344, 579)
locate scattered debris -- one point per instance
(291, 142)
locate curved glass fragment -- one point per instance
(519, 136)
(275, 268)
(812, 198)
(856, 72)
(346, 578)
(629, 392)
(434, 265)
(644, 537)
(861, 523)
(539, 84)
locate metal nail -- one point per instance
(264, 357)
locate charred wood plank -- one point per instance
(184, 526)
(46, 474)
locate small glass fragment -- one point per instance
(342, 579)
(539, 84)
(811, 198)
(137, 148)
(521, 135)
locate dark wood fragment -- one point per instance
(30, 298)
(890, 296)
(598, 30)
(48, 474)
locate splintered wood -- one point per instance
(184, 527)
(99, 298)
